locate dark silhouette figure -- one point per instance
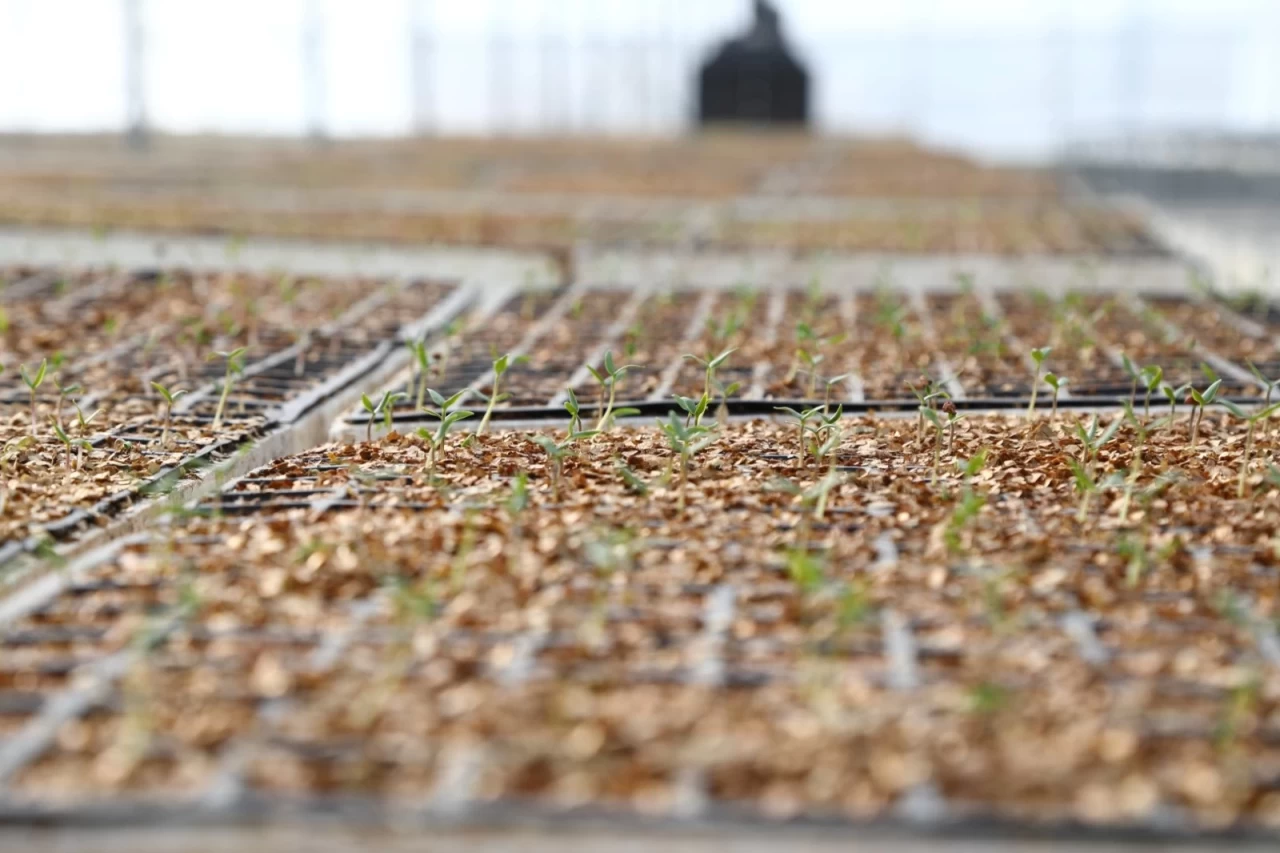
(754, 79)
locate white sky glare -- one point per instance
(994, 74)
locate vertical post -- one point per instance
(551, 61)
(421, 81)
(1132, 72)
(135, 75)
(1060, 76)
(313, 70)
(500, 58)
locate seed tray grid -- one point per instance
(905, 655)
(340, 360)
(998, 377)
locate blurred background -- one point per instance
(1010, 79)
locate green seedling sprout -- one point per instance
(12, 448)
(686, 442)
(953, 418)
(1088, 485)
(1252, 421)
(813, 500)
(422, 364)
(445, 413)
(501, 365)
(1057, 383)
(1270, 385)
(33, 381)
(632, 480)
(574, 409)
(170, 397)
(1038, 355)
(710, 365)
(927, 396)
(802, 421)
(64, 391)
(1173, 395)
(1093, 439)
(234, 367)
(811, 361)
(1135, 376)
(695, 408)
(724, 392)
(829, 384)
(608, 376)
(381, 409)
(932, 416)
(557, 453)
(1151, 376)
(1202, 399)
(806, 570)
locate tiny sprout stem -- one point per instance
(422, 388)
(1053, 413)
(168, 416)
(608, 410)
(222, 398)
(33, 411)
(488, 410)
(1197, 414)
(1244, 463)
(1035, 391)
(937, 455)
(1083, 515)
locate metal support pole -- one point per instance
(313, 69)
(135, 75)
(422, 81)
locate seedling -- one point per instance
(927, 395)
(170, 397)
(557, 453)
(934, 418)
(632, 480)
(1252, 421)
(710, 365)
(829, 384)
(1057, 383)
(1173, 395)
(1094, 439)
(953, 418)
(422, 361)
(574, 409)
(1135, 375)
(384, 409)
(1270, 385)
(806, 569)
(83, 422)
(67, 441)
(608, 377)
(501, 365)
(694, 408)
(811, 361)
(1088, 486)
(33, 381)
(802, 421)
(234, 367)
(686, 442)
(12, 448)
(1038, 355)
(1151, 376)
(447, 417)
(1202, 399)
(64, 391)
